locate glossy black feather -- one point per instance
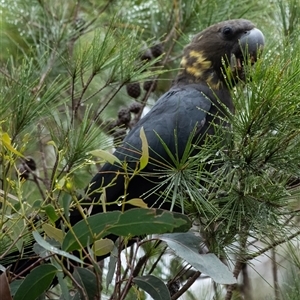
(177, 114)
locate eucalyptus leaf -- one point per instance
(87, 280)
(145, 150)
(52, 249)
(53, 232)
(14, 286)
(106, 156)
(187, 245)
(51, 213)
(154, 286)
(112, 263)
(103, 246)
(36, 282)
(137, 202)
(136, 221)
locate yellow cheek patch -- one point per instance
(206, 64)
(194, 71)
(183, 62)
(196, 65)
(201, 60)
(195, 54)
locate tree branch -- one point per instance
(186, 286)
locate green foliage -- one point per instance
(87, 280)
(36, 282)
(133, 222)
(186, 246)
(153, 286)
(263, 156)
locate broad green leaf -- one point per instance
(37, 204)
(6, 141)
(137, 202)
(153, 286)
(145, 150)
(113, 259)
(51, 213)
(65, 295)
(16, 233)
(87, 281)
(106, 156)
(136, 221)
(52, 249)
(103, 246)
(36, 282)
(40, 251)
(186, 246)
(14, 286)
(66, 200)
(53, 232)
(97, 223)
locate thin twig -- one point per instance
(129, 263)
(275, 275)
(44, 75)
(117, 290)
(157, 260)
(246, 287)
(43, 156)
(236, 272)
(75, 37)
(186, 286)
(36, 180)
(101, 266)
(75, 106)
(95, 93)
(184, 269)
(37, 262)
(134, 271)
(272, 245)
(9, 76)
(240, 261)
(108, 101)
(82, 290)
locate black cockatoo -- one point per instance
(197, 97)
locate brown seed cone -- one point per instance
(29, 161)
(133, 89)
(146, 56)
(157, 50)
(147, 85)
(135, 107)
(124, 116)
